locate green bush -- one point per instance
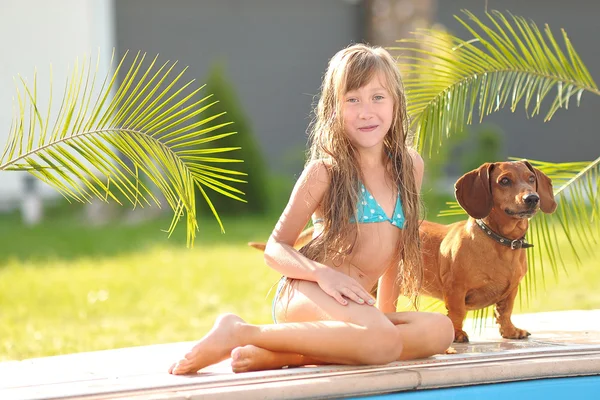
(460, 153)
(463, 152)
(254, 165)
(485, 146)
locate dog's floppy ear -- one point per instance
(474, 193)
(544, 189)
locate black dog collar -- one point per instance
(513, 244)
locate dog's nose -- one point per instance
(531, 200)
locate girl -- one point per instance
(361, 187)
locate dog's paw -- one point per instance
(460, 336)
(514, 333)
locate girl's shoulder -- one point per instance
(316, 177)
(314, 181)
(418, 163)
(418, 166)
(319, 170)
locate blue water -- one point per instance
(583, 387)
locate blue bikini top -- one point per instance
(369, 210)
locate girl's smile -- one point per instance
(368, 128)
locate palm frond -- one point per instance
(577, 186)
(154, 119)
(509, 62)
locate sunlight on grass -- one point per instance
(158, 296)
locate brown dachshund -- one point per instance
(479, 262)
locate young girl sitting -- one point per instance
(361, 187)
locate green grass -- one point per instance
(66, 287)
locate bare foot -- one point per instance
(252, 358)
(214, 347)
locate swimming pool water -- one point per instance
(574, 388)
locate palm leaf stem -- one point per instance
(592, 165)
(77, 136)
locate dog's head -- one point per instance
(515, 188)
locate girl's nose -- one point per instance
(365, 111)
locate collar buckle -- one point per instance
(515, 244)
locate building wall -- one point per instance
(390, 20)
(35, 34)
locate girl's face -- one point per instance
(367, 113)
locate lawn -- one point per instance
(66, 287)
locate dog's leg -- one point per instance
(457, 311)
(503, 313)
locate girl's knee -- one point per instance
(443, 329)
(384, 345)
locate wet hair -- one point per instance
(351, 69)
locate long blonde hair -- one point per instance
(350, 69)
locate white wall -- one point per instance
(35, 34)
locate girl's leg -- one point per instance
(422, 335)
(252, 358)
(351, 334)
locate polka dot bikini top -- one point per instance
(369, 210)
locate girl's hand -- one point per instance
(341, 286)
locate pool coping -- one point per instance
(140, 372)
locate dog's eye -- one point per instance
(531, 179)
(504, 181)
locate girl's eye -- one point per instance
(378, 97)
(504, 181)
(352, 100)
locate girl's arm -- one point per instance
(280, 253)
(388, 290)
(419, 167)
(304, 200)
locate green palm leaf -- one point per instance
(506, 63)
(577, 186)
(153, 119)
